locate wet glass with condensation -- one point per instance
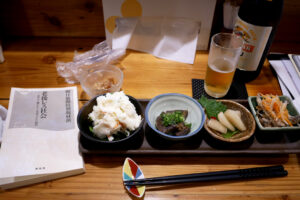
(224, 53)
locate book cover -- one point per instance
(40, 138)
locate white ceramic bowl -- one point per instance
(174, 101)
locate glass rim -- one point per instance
(227, 34)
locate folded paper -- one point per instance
(288, 79)
(164, 37)
(3, 113)
(198, 10)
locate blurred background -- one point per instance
(81, 22)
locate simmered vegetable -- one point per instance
(234, 118)
(216, 125)
(222, 118)
(173, 122)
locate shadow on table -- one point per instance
(157, 142)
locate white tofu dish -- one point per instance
(114, 117)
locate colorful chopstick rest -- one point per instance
(132, 171)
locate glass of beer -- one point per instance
(224, 53)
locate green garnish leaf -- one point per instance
(172, 118)
(119, 135)
(188, 125)
(212, 107)
(229, 134)
(91, 129)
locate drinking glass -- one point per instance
(224, 53)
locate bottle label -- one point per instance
(255, 40)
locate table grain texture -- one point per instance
(31, 64)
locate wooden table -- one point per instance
(31, 63)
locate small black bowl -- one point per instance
(134, 140)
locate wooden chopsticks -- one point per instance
(258, 172)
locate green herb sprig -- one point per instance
(212, 107)
(172, 118)
(229, 133)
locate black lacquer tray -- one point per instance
(203, 143)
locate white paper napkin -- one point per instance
(288, 79)
(295, 59)
(169, 38)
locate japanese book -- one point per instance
(40, 138)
